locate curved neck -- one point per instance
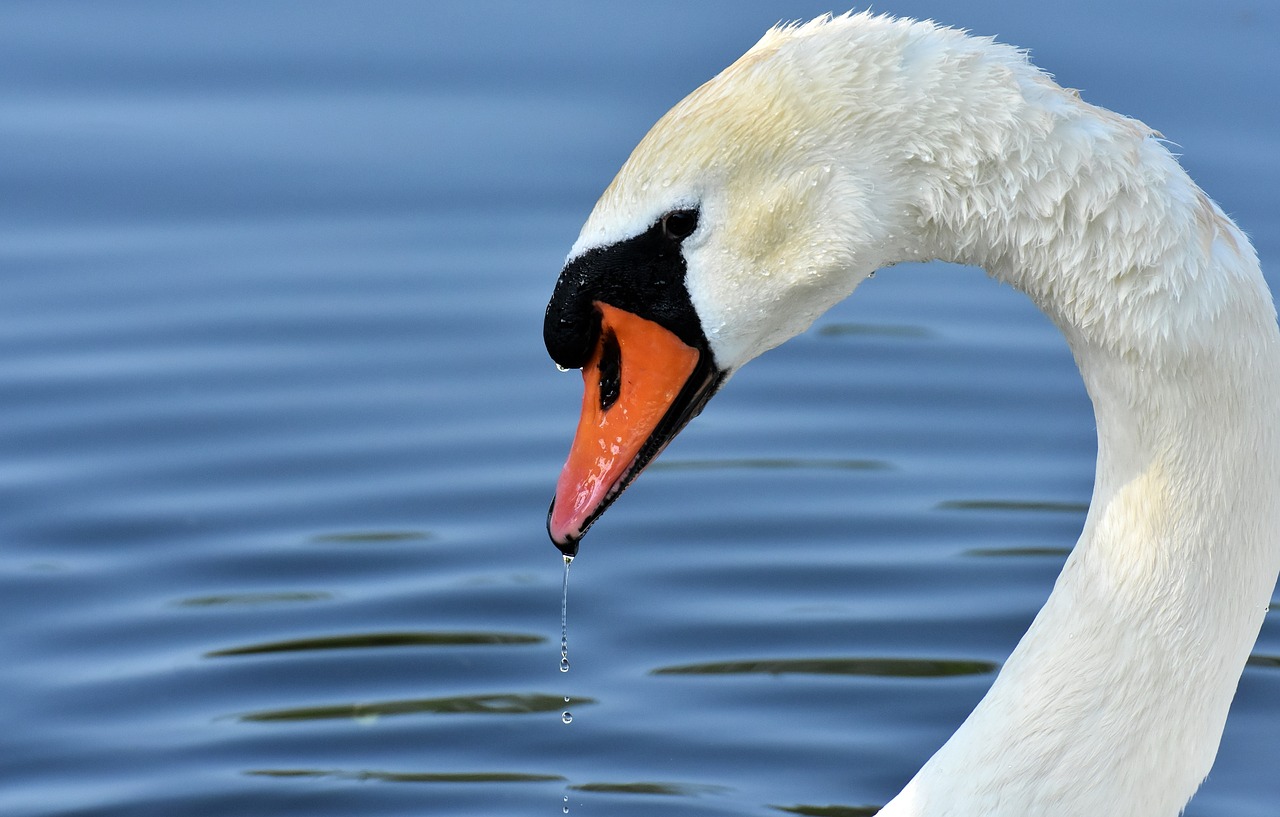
(1119, 691)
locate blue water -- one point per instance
(278, 433)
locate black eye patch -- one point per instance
(644, 275)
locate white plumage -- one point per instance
(840, 146)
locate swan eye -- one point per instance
(679, 224)
(610, 371)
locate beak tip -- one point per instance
(565, 542)
(569, 547)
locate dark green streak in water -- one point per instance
(1057, 553)
(515, 704)
(1012, 505)
(412, 777)
(883, 330)
(876, 667)
(371, 537)
(379, 640)
(665, 789)
(232, 599)
(770, 464)
(831, 811)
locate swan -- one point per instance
(836, 147)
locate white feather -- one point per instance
(839, 146)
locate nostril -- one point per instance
(610, 371)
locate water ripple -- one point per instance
(508, 704)
(372, 537)
(249, 599)
(1019, 552)
(411, 777)
(770, 464)
(378, 640)
(1037, 506)
(835, 330)
(831, 811)
(874, 667)
(647, 787)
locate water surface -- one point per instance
(277, 430)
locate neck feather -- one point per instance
(1115, 699)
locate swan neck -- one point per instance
(1119, 691)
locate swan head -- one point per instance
(748, 210)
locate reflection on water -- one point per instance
(411, 777)
(1015, 552)
(769, 464)
(667, 789)
(372, 537)
(367, 640)
(835, 330)
(831, 811)
(510, 704)
(877, 667)
(1038, 506)
(237, 599)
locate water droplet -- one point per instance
(566, 804)
(564, 617)
(562, 368)
(566, 716)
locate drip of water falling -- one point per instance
(566, 716)
(564, 617)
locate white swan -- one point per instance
(843, 145)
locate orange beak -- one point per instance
(641, 385)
